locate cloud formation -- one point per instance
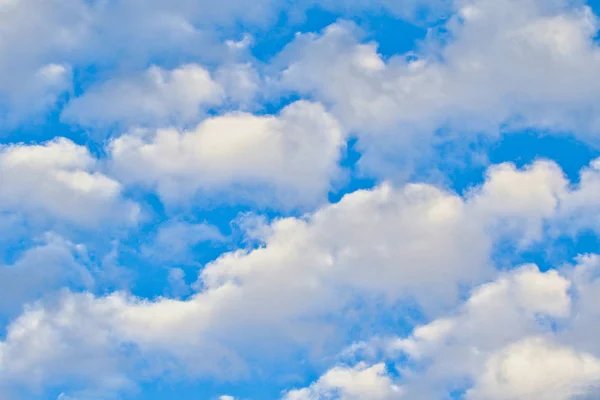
(60, 179)
(222, 199)
(500, 66)
(285, 160)
(324, 270)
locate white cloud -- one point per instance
(157, 96)
(495, 314)
(77, 34)
(580, 208)
(39, 92)
(519, 202)
(285, 160)
(241, 82)
(536, 201)
(52, 264)
(504, 65)
(360, 382)
(585, 328)
(520, 336)
(40, 37)
(375, 242)
(284, 296)
(537, 368)
(58, 179)
(315, 279)
(33, 70)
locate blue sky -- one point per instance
(352, 200)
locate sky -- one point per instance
(307, 200)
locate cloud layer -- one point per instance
(227, 202)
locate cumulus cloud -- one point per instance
(527, 204)
(282, 295)
(162, 97)
(52, 264)
(537, 368)
(522, 200)
(44, 41)
(512, 339)
(350, 383)
(59, 179)
(156, 96)
(284, 160)
(501, 66)
(40, 92)
(313, 280)
(35, 73)
(75, 34)
(305, 286)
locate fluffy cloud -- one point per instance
(52, 264)
(157, 96)
(522, 200)
(537, 368)
(284, 295)
(344, 383)
(512, 339)
(538, 200)
(58, 179)
(503, 65)
(285, 160)
(40, 92)
(328, 252)
(36, 35)
(585, 328)
(313, 280)
(580, 207)
(45, 40)
(305, 286)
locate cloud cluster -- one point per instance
(512, 339)
(160, 97)
(285, 160)
(60, 179)
(182, 121)
(358, 382)
(499, 66)
(327, 270)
